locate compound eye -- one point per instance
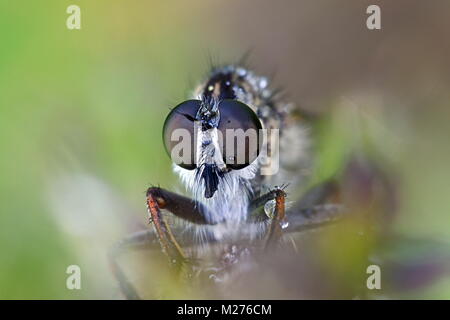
(178, 134)
(240, 128)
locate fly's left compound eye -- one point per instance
(240, 128)
(178, 134)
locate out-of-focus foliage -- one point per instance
(81, 114)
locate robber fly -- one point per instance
(232, 200)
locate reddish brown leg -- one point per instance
(274, 232)
(181, 207)
(158, 199)
(168, 243)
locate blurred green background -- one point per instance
(81, 113)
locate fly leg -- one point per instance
(181, 207)
(320, 206)
(324, 193)
(163, 238)
(275, 231)
(141, 239)
(278, 216)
